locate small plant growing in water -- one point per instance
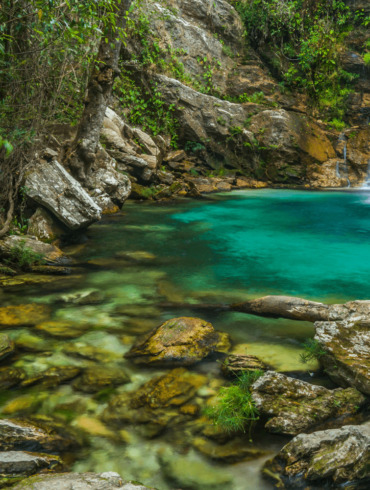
(235, 410)
(312, 350)
(23, 257)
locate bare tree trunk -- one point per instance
(99, 91)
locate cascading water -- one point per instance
(366, 184)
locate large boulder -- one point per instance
(294, 406)
(50, 185)
(336, 458)
(180, 341)
(346, 347)
(111, 183)
(80, 481)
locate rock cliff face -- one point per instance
(247, 125)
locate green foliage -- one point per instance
(367, 59)
(305, 38)
(194, 146)
(312, 350)
(23, 257)
(337, 124)
(146, 107)
(235, 409)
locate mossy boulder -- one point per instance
(6, 346)
(178, 342)
(336, 458)
(156, 403)
(23, 315)
(293, 406)
(347, 352)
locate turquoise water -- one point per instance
(156, 261)
(309, 244)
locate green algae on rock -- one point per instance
(10, 376)
(180, 341)
(52, 377)
(236, 450)
(335, 458)
(294, 406)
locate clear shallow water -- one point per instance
(224, 249)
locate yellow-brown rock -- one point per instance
(180, 341)
(22, 315)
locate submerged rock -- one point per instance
(155, 403)
(336, 458)
(53, 376)
(87, 297)
(97, 378)
(15, 465)
(23, 315)
(346, 347)
(10, 376)
(81, 481)
(235, 365)
(230, 452)
(180, 341)
(184, 472)
(66, 330)
(6, 346)
(27, 435)
(294, 406)
(50, 185)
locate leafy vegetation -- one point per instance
(235, 410)
(306, 38)
(312, 350)
(23, 257)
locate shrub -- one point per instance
(235, 410)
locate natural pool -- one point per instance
(153, 262)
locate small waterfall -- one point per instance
(366, 184)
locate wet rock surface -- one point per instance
(179, 341)
(84, 481)
(98, 378)
(294, 406)
(336, 458)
